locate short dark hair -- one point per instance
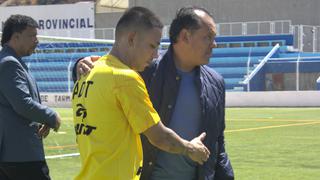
(16, 23)
(138, 18)
(185, 18)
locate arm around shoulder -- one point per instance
(83, 66)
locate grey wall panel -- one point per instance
(107, 20)
(299, 11)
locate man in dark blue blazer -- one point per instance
(23, 120)
(190, 98)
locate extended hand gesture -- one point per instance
(197, 151)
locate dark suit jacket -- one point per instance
(20, 111)
(163, 83)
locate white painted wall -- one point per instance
(233, 99)
(61, 100)
(64, 20)
(273, 99)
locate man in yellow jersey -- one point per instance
(111, 106)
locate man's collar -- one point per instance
(9, 49)
(13, 53)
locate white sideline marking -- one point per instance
(269, 127)
(62, 156)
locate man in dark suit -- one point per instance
(23, 120)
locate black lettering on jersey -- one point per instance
(78, 128)
(82, 129)
(88, 130)
(81, 111)
(139, 171)
(88, 84)
(84, 88)
(75, 89)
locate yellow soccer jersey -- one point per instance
(111, 107)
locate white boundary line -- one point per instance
(226, 131)
(62, 156)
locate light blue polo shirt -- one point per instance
(186, 122)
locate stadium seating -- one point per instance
(52, 63)
(52, 71)
(234, 64)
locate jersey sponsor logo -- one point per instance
(81, 111)
(82, 89)
(139, 171)
(82, 129)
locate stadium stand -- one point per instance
(36, 2)
(237, 56)
(234, 59)
(52, 71)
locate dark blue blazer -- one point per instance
(163, 82)
(20, 111)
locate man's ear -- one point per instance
(184, 36)
(132, 36)
(15, 36)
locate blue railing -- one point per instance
(318, 83)
(261, 64)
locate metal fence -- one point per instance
(254, 28)
(306, 38)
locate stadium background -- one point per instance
(265, 140)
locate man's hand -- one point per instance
(167, 140)
(197, 151)
(58, 123)
(44, 131)
(85, 65)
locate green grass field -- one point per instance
(262, 143)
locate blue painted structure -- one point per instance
(282, 65)
(51, 64)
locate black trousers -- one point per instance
(37, 170)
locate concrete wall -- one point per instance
(273, 99)
(233, 99)
(60, 100)
(299, 11)
(107, 20)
